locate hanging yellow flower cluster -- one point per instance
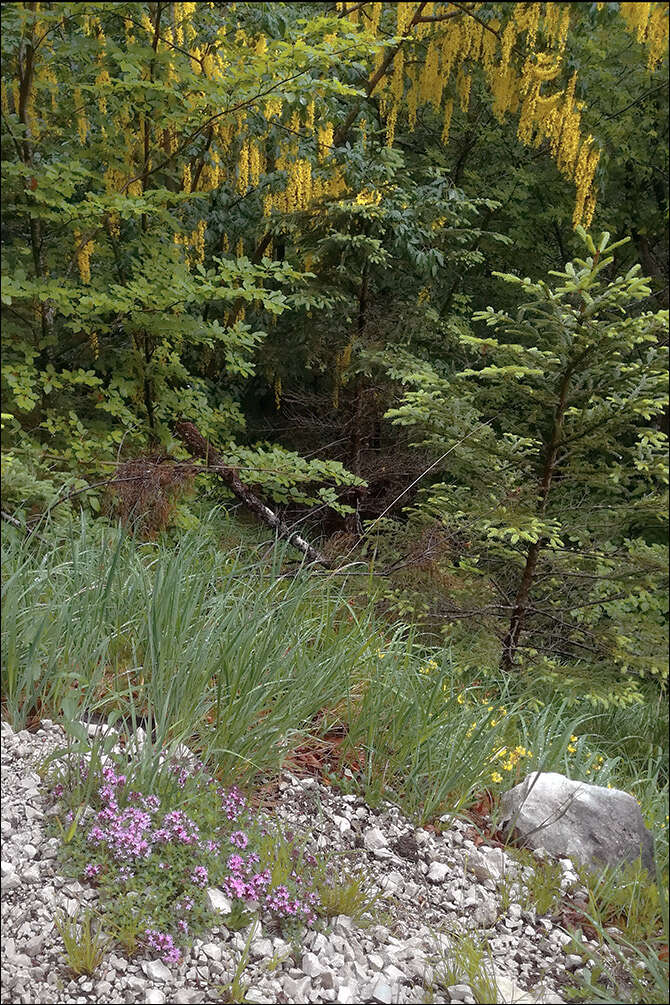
(183, 26)
(183, 241)
(649, 23)
(210, 177)
(455, 44)
(103, 81)
(243, 169)
(83, 252)
(195, 242)
(325, 135)
(147, 24)
(49, 78)
(114, 182)
(198, 242)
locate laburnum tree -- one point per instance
(168, 169)
(556, 473)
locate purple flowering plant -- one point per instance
(153, 856)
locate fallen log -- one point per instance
(198, 446)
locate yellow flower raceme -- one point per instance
(83, 252)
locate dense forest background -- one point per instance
(286, 224)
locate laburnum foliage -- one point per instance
(148, 147)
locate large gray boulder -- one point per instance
(590, 824)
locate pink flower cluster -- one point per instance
(126, 833)
(243, 880)
(233, 803)
(163, 943)
(281, 902)
(177, 827)
(131, 832)
(246, 882)
(200, 876)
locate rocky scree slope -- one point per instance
(433, 887)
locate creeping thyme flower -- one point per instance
(235, 863)
(163, 943)
(199, 876)
(126, 833)
(131, 828)
(233, 803)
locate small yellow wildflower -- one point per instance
(496, 777)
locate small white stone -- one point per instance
(31, 874)
(156, 971)
(438, 872)
(297, 990)
(384, 993)
(347, 994)
(217, 901)
(459, 992)
(311, 965)
(374, 839)
(254, 995)
(342, 824)
(155, 997)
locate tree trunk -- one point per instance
(511, 641)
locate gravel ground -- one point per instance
(432, 887)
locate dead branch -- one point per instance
(198, 446)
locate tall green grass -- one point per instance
(227, 652)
